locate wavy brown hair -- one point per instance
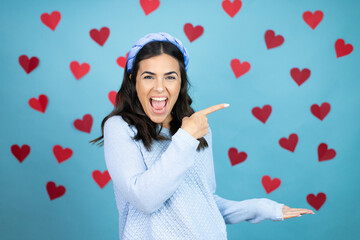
(128, 106)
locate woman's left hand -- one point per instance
(294, 212)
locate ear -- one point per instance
(130, 76)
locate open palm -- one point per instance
(289, 212)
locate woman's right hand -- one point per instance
(289, 212)
(197, 124)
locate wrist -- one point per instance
(188, 131)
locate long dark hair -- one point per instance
(129, 107)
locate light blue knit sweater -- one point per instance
(169, 192)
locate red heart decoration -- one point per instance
(79, 70)
(121, 61)
(231, 8)
(149, 6)
(84, 124)
(342, 49)
(101, 178)
(51, 21)
(313, 19)
(290, 143)
(39, 104)
(273, 41)
(300, 76)
(191, 32)
(238, 68)
(20, 152)
(100, 36)
(112, 97)
(324, 153)
(263, 113)
(54, 191)
(316, 201)
(28, 65)
(270, 185)
(320, 112)
(235, 157)
(61, 154)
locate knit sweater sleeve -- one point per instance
(252, 210)
(146, 189)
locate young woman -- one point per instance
(158, 152)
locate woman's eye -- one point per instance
(148, 77)
(171, 77)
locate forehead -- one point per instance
(159, 64)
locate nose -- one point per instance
(159, 85)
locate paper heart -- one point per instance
(273, 41)
(100, 36)
(20, 152)
(313, 19)
(54, 191)
(231, 8)
(28, 65)
(193, 33)
(149, 6)
(300, 76)
(61, 154)
(342, 49)
(320, 111)
(101, 178)
(235, 157)
(39, 104)
(263, 113)
(270, 185)
(112, 97)
(316, 201)
(324, 153)
(238, 68)
(121, 61)
(84, 124)
(290, 143)
(51, 21)
(78, 70)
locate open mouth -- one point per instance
(158, 104)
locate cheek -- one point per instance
(141, 91)
(176, 90)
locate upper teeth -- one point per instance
(158, 99)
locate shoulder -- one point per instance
(117, 124)
(115, 121)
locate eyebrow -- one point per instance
(151, 73)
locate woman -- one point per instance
(158, 152)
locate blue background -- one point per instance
(88, 212)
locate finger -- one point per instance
(301, 210)
(292, 211)
(214, 108)
(307, 212)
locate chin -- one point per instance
(157, 119)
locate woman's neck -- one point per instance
(166, 123)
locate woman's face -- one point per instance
(158, 84)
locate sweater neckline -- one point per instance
(164, 130)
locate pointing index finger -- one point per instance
(214, 108)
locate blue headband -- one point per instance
(165, 37)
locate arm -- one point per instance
(145, 189)
(251, 210)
